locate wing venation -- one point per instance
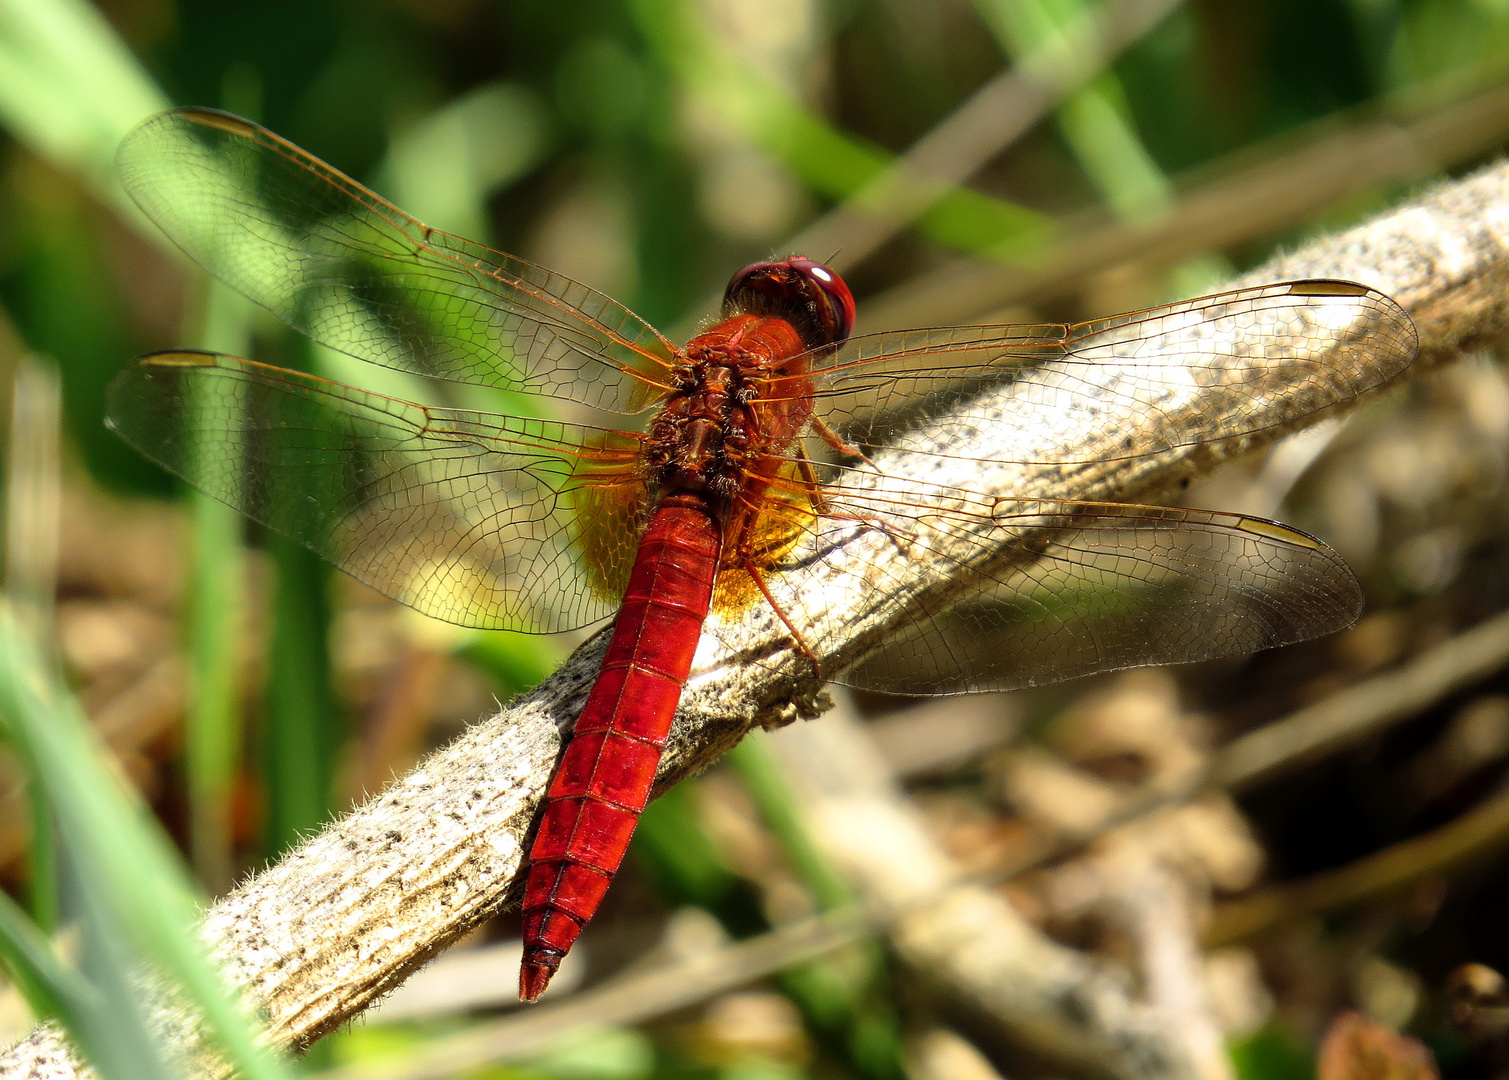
(1056, 591)
(355, 273)
(1204, 371)
(474, 518)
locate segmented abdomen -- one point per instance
(604, 778)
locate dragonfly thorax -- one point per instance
(700, 440)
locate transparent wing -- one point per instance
(998, 594)
(1316, 342)
(352, 271)
(473, 518)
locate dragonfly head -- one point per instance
(806, 294)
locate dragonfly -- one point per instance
(679, 490)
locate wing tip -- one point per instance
(216, 118)
(1386, 310)
(1330, 287)
(181, 358)
(1274, 530)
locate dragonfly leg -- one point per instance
(837, 442)
(753, 570)
(821, 507)
(814, 490)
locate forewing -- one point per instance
(1313, 342)
(352, 271)
(979, 594)
(469, 517)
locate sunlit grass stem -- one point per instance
(130, 889)
(213, 730)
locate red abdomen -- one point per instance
(604, 778)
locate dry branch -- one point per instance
(351, 912)
(1481, 830)
(1261, 190)
(1365, 708)
(1335, 722)
(992, 119)
(625, 999)
(1153, 906)
(965, 938)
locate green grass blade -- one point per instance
(50, 987)
(132, 883)
(843, 995)
(70, 88)
(828, 161)
(212, 737)
(1095, 120)
(212, 723)
(41, 861)
(33, 507)
(117, 1035)
(514, 662)
(301, 730)
(778, 806)
(487, 138)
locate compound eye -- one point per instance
(839, 299)
(807, 294)
(752, 279)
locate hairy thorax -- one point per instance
(734, 410)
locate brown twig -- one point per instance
(992, 119)
(964, 939)
(1265, 189)
(1153, 906)
(997, 115)
(1365, 708)
(1340, 720)
(620, 1001)
(1483, 828)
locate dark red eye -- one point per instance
(806, 294)
(839, 297)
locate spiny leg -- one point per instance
(813, 490)
(750, 568)
(837, 442)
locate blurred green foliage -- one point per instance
(1272, 1053)
(648, 148)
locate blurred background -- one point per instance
(648, 149)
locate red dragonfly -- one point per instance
(665, 483)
